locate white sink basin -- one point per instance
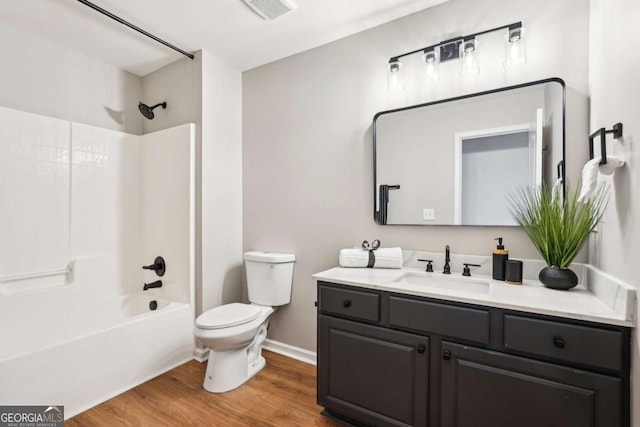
(439, 281)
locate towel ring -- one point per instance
(616, 130)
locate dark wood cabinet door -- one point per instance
(487, 388)
(372, 375)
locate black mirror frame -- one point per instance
(377, 217)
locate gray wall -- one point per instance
(614, 93)
(416, 150)
(307, 162)
(179, 84)
(45, 78)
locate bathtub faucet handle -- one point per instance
(156, 284)
(158, 266)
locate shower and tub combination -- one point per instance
(84, 210)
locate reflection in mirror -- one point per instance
(452, 162)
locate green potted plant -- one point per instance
(558, 229)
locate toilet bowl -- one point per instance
(234, 333)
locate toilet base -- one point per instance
(257, 366)
(227, 370)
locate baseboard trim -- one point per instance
(291, 351)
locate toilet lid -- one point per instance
(227, 315)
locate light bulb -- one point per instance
(515, 47)
(469, 57)
(430, 66)
(394, 76)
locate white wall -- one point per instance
(35, 190)
(179, 84)
(131, 201)
(307, 180)
(45, 78)
(206, 91)
(101, 210)
(552, 131)
(105, 210)
(615, 91)
(222, 265)
(107, 204)
(122, 198)
(167, 210)
(493, 166)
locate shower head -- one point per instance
(148, 111)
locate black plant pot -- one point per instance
(558, 278)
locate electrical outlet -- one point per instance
(428, 214)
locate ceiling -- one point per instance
(227, 28)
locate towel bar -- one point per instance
(616, 130)
(35, 275)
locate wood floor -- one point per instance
(282, 394)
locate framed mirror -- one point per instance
(453, 161)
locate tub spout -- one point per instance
(156, 284)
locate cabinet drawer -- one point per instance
(577, 344)
(459, 322)
(345, 302)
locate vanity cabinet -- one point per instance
(387, 359)
(487, 388)
(374, 375)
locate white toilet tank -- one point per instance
(269, 277)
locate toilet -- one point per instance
(234, 332)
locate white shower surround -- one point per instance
(75, 339)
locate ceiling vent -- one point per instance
(270, 9)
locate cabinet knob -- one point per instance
(558, 342)
(422, 348)
(346, 303)
(446, 355)
(315, 303)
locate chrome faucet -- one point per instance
(447, 254)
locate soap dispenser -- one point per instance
(500, 257)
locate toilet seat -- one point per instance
(228, 315)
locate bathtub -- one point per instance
(82, 355)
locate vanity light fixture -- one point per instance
(394, 75)
(469, 44)
(464, 48)
(430, 56)
(430, 65)
(515, 46)
(469, 56)
(394, 65)
(515, 32)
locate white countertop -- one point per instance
(532, 297)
